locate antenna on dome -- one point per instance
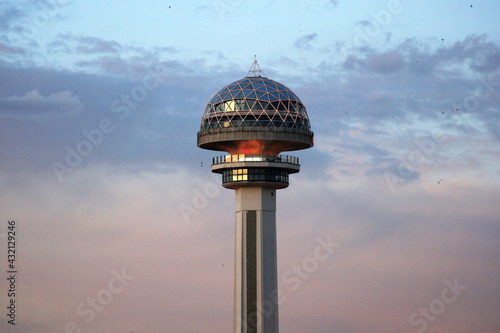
(255, 70)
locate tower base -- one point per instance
(256, 276)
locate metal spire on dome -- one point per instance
(255, 70)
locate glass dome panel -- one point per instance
(216, 99)
(273, 97)
(265, 97)
(243, 102)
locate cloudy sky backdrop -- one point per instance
(100, 103)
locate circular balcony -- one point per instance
(255, 170)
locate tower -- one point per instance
(255, 119)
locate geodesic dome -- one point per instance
(255, 102)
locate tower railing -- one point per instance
(255, 158)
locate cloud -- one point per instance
(58, 46)
(165, 115)
(11, 50)
(35, 106)
(386, 62)
(364, 23)
(108, 57)
(99, 46)
(25, 19)
(109, 65)
(475, 53)
(304, 42)
(88, 46)
(414, 78)
(9, 15)
(406, 115)
(92, 45)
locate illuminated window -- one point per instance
(255, 174)
(229, 105)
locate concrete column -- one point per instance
(256, 276)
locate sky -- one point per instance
(121, 227)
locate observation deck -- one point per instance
(255, 111)
(255, 170)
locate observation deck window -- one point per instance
(255, 175)
(255, 158)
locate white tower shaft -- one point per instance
(256, 276)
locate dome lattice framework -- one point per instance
(255, 115)
(255, 102)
